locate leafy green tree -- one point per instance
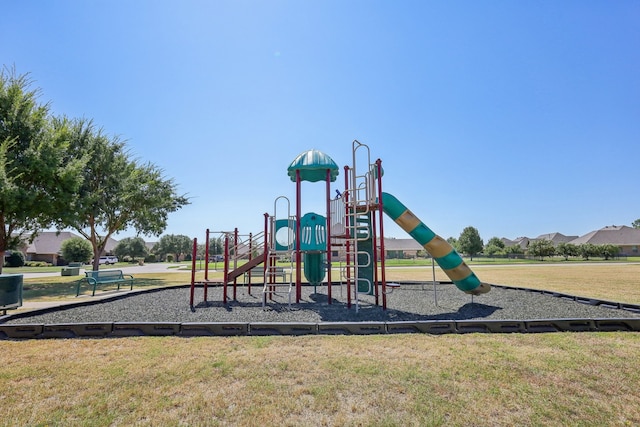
(588, 250)
(542, 248)
(636, 223)
(118, 193)
(132, 247)
(493, 250)
(494, 247)
(514, 250)
(470, 242)
(216, 247)
(496, 241)
(172, 244)
(76, 249)
(567, 250)
(16, 259)
(454, 243)
(609, 251)
(39, 173)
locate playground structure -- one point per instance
(352, 231)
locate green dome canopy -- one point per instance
(313, 165)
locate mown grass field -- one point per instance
(558, 379)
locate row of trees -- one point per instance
(545, 248)
(470, 243)
(66, 173)
(177, 247)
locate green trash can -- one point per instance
(10, 292)
(70, 271)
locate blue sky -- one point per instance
(517, 118)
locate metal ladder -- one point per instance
(360, 197)
(280, 245)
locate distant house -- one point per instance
(46, 247)
(401, 248)
(523, 242)
(556, 238)
(394, 249)
(627, 238)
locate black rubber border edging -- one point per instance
(214, 329)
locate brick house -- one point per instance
(46, 247)
(627, 238)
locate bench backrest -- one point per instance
(260, 269)
(104, 274)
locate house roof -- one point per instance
(402, 245)
(556, 238)
(616, 235)
(49, 242)
(523, 242)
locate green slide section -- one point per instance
(441, 251)
(314, 267)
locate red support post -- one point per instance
(267, 240)
(206, 257)
(235, 260)
(226, 268)
(248, 272)
(193, 272)
(382, 250)
(376, 283)
(328, 191)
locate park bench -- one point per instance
(103, 277)
(278, 272)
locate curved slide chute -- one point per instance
(443, 253)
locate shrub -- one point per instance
(37, 264)
(16, 259)
(76, 249)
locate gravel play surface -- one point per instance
(410, 302)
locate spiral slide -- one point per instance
(443, 253)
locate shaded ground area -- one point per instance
(411, 302)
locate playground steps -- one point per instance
(269, 290)
(271, 286)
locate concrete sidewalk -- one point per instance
(133, 269)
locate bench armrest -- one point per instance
(89, 280)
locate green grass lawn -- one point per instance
(64, 287)
(556, 379)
